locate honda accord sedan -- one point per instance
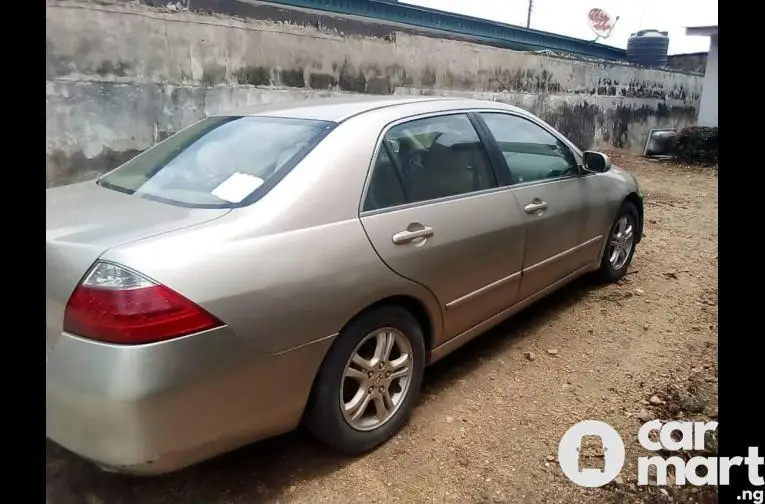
(303, 263)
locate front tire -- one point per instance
(620, 248)
(369, 381)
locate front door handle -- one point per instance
(413, 232)
(535, 206)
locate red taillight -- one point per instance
(116, 305)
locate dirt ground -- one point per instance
(490, 418)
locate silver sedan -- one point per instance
(305, 262)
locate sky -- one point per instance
(569, 17)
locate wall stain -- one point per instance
(575, 122)
(428, 77)
(322, 81)
(292, 78)
(213, 74)
(255, 76)
(398, 76)
(109, 68)
(352, 79)
(379, 85)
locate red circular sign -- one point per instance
(599, 20)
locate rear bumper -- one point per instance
(155, 408)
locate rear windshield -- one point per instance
(219, 162)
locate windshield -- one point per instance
(220, 162)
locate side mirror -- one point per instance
(596, 162)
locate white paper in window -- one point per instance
(237, 187)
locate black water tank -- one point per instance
(648, 48)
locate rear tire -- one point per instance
(620, 248)
(369, 382)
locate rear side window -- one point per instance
(427, 159)
(385, 188)
(220, 162)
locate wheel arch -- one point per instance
(636, 200)
(415, 307)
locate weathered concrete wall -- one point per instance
(121, 77)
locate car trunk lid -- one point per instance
(83, 221)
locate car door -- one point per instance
(434, 213)
(549, 187)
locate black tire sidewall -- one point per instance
(606, 272)
(324, 417)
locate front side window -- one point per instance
(427, 159)
(220, 162)
(532, 154)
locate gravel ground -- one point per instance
(490, 418)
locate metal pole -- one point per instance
(528, 16)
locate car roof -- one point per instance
(342, 108)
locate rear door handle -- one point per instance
(535, 206)
(404, 237)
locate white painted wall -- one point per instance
(708, 104)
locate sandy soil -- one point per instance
(490, 419)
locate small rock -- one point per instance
(692, 403)
(619, 480)
(552, 351)
(645, 327)
(655, 400)
(449, 419)
(639, 292)
(530, 355)
(711, 379)
(550, 458)
(292, 489)
(644, 415)
(644, 402)
(664, 491)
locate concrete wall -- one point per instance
(708, 106)
(120, 77)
